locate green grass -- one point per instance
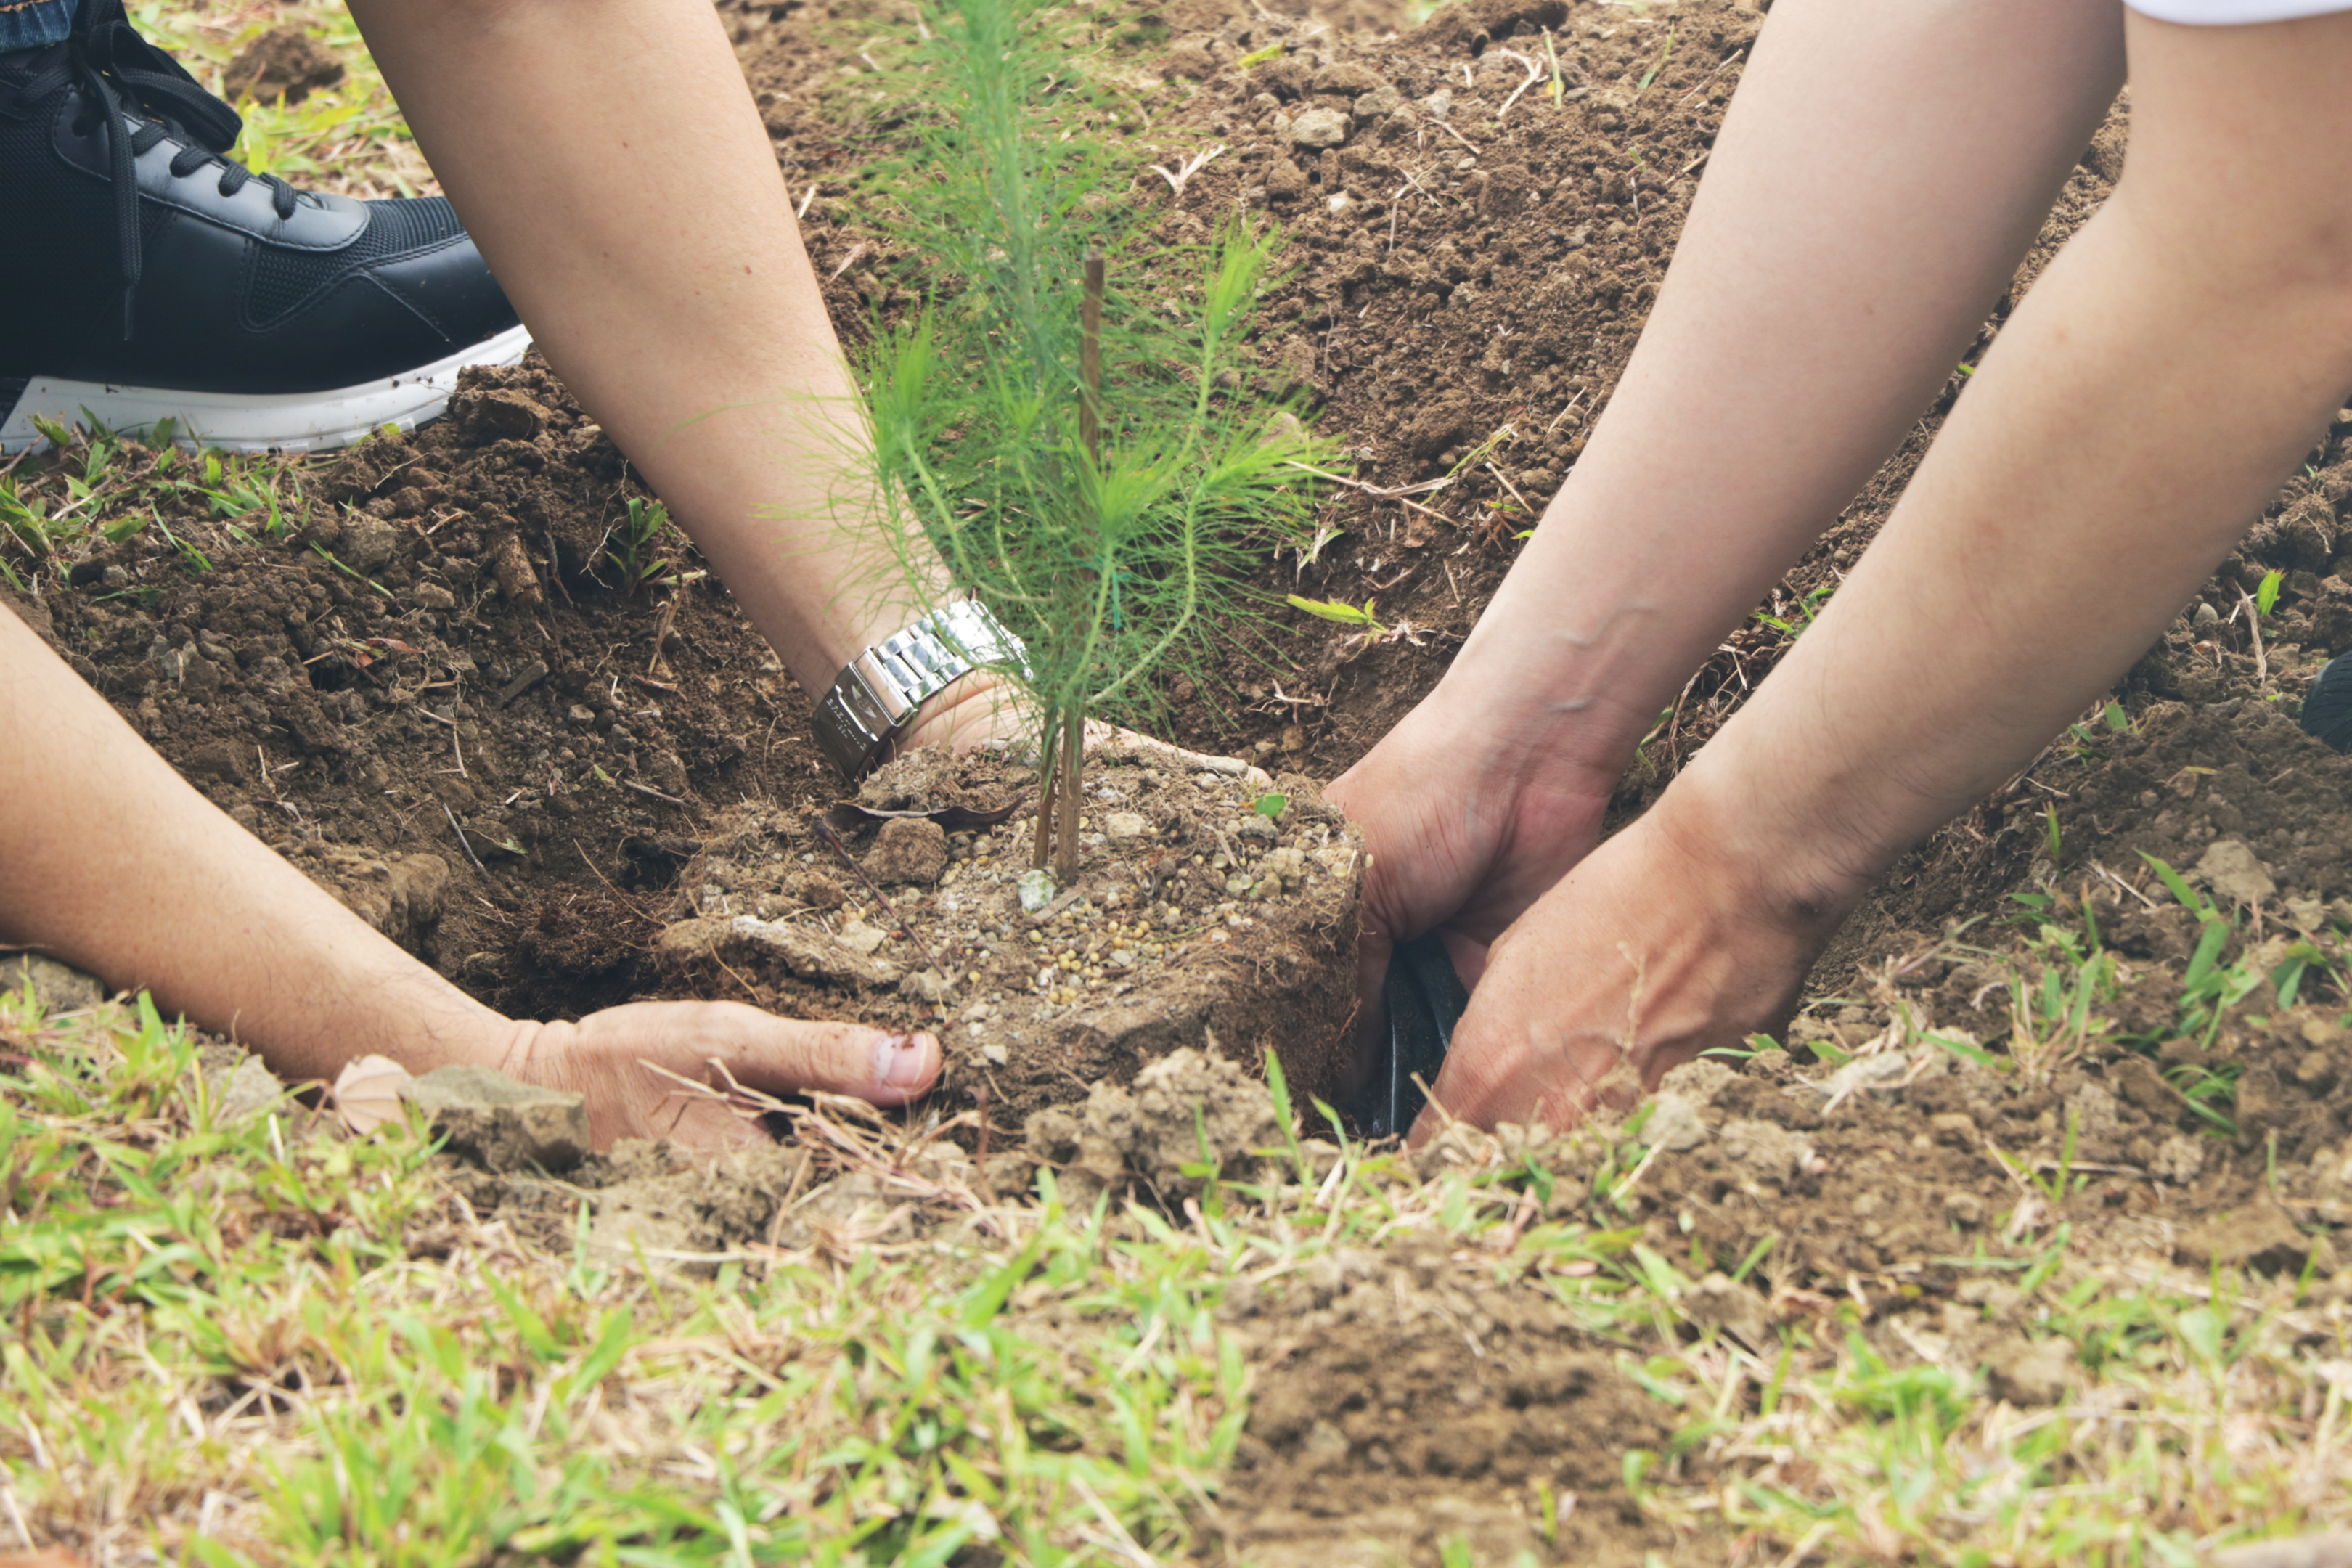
(218, 1348)
(94, 489)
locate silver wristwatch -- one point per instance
(877, 694)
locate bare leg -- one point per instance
(2155, 388)
(1879, 174)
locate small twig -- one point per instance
(460, 832)
(649, 790)
(802, 211)
(1510, 486)
(849, 260)
(1710, 76)
(824, 831)
(1565, 412)
(1377, 493)
(2126, 886)
(1535, 74)
(593, 867)
(1090, 309)
(1424, 190)
(453, 737)
(1183, 173)
(661, 636)
(2254, 630)
(1456, 134)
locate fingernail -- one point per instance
(899, 1061)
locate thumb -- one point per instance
(786, 1056)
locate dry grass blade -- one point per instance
(1182, 174)
(1535, 70)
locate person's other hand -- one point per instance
(1648, 953)
(979, 712)
(608, 1056)
(1456, 847)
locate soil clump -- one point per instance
(1404, 1404)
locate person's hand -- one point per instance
(1654, 948)
(610, 1057)
(979, 710)
(1457, 846)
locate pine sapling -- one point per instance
(1081, 442)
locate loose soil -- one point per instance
(1210, 908)
(1406, 1405)
(433, 697)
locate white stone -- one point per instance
(1319, 128)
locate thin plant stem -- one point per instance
(1090, 361)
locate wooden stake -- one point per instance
(1041, 848)
(1065, 839)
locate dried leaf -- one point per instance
(367, 1093)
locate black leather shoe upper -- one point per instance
(135, 253)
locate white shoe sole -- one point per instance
(243, 422)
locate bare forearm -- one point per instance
(1878, 175)
(2161, 380)
(111, 861)
(608, 160)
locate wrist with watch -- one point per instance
(877, 695)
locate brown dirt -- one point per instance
(285, 64)
(1404, 1404)
(1466, 291)
(1195, 918)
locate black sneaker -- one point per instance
(144, 276)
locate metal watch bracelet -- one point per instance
(877, 694)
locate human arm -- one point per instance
(607, 158)
(111, 861)
(2159, 382)
(1877, 177)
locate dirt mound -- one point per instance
(1405, 1402)
(1210, 908)
(285, 64)
(420, 656)
(1188, 1119)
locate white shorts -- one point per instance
(2227, 13)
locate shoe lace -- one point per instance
(124, 78)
